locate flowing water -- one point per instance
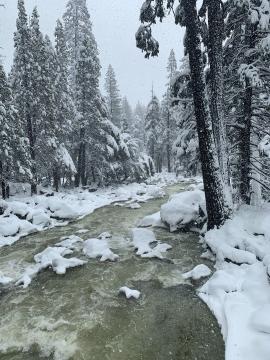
(79, 316)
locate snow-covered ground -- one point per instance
(24, 215)
(239, 291)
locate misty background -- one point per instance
(115, 23)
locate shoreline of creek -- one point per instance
(79, 316)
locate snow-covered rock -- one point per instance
(134, 206)
(183, 209)
(129, 293)
(97, 248)
(105, 235)
(152, 220)
(198, 272)
(158, 251)
(9, 226)
(142, 238)
(70, 242)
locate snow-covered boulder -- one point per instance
(9, 226)
(151, 220)
(129, 293)
(40, 218)
(183, 209)
(142, 238)
(20, 209)
(97, 248)
(105, 235)
(61, 210)
(198, 272)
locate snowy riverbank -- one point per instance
(23, 215)
(238, 293)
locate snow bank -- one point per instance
(24, 215)
(238, 293)
(198, 272)
(98, 248)
(183, 209)
(129, 293)
(142, 239)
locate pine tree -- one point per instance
(14, 152)
(153, 130)
(87, 83)
(113, 97)
(126, 116)
(21, 79)
(138, 126)
(78, 26)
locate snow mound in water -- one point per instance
(142, 239)
(134, 206)
(97, 248)
(152, 220)
(198, 272)
(5, 280)
(183, 209)
(53, 257)
(129, 293)
(105, 235)
(70, 242)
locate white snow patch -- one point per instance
(129, 293)
(198, 272)
(96, 248)
(152, 220)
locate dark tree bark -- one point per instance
(217, 206)
(56, 179)
(81, 159)
(245, 132)
(216, 29)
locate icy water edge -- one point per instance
(79, 316)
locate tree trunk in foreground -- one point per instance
(216, 26)
(218, 209)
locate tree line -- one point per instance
(55, 125)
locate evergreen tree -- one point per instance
(78, 26)
(113, 97)
(138, 126)
(126, 116)
(153, 130)
(14, 152)
(21, 79)
(87, 82)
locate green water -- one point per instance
(79, 316)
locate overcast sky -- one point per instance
(114, 23)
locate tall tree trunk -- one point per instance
(56, 179)
(78, 176)
(169, 140)
(218, 208)
(216, 28)
(30, 134)
(83, 174)
(245, 132)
